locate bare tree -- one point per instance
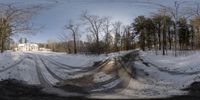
(95, 24)
(51, 44)
(175, 12)
(128, 38)
(16, 18)
(74, 28)
(64, 39)
(196, 25)
(5, 33)
(108, 38)
(117, 26)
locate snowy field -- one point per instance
(156, 75)
(46, 68)
(26, 66)
(186, 63)
(160, 76)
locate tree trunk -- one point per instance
(159, 37)
(164, 44)
(75, 49)
(2, 45)
(98, 48)
(169, 38)
(164, 36)
(192, 38)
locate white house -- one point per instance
(27, 47)
(44, 49)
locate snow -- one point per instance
(79, 60)
(155, 84)
(108, 86)
(101, 77)
(186, 64)
(177, 73)
(9, 58)
(23, 71)
(23, 65)
(162, 76)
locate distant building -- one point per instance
(27, 47)
(23, 40)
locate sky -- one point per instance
(55, 18)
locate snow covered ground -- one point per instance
(160, 76)
(156, 75)
(23, 65)
(185, 63)
(51, 67)
(9, 58)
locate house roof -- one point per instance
(25, 44)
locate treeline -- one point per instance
(15, 18)
(157, 32)
(106, 36)
(170, 28)
(83, 47)
(103, 36)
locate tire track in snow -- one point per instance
(59, 65)
(44, 82)
(165, 70)
(92, 69)
(97, 67)
(82, 69)
(102, 85)
(89, 88)
(13, 65)
(51, 72)
(68, 66)
(120, 80)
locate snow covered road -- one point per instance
(46, 69)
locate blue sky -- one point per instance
(57, 16)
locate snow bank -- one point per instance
(152, 82)
(177, 73)
(24, 71)
(187, 64)
(22, 65)
(9, 58)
